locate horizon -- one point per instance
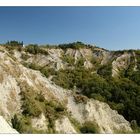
(112, 28)
(57, 45)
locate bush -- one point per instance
(10, 45)
(35, 49)
(105, 71)
(30, 101)
(75, 45)
(80, 62)
(53, 111)
(90, 128)
(21, 124)
(69, 59)
(14, 43)
(135, 76)
(48, 71)
(31, 108)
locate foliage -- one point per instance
(69, 78)
(10, 45)
(105, 71)
(95, 62)
(75, 123)
(33, 104)
(35, 49)
(75, 45)
(69, 59)
(16, 123)
(90, 128)
(135, 76)
(21, 124)
(80, 62)
(30, 105)
(46, 71)
(130, 70)
(53, 111)
(14, 43)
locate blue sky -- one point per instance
(112, 28)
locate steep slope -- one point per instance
(17, 81)
(5, 127)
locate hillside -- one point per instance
(70, 88)
(5, 127)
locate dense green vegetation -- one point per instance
(75, 45)
(68, 59)
(46, 71)
(89, 128)
(11, 45)
(35, 49)
(14, 43)
(105, 71)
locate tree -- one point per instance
(14, 43)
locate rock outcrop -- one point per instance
(5, 128)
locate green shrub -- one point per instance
(105, 71)
(75, 45)
(53, 111)
(69, 59)
(35, 49)
(21, 124)
(48, 71)
(31, 101)
(135, 76)
(31, 108)
(80, 62)
(90, 128)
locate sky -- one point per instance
(112, 28)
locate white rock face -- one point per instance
(64, 126)
(17, 55)
(88, 64)
(5, 128)
(9, 89)
(9, 98)
(76, 109)
(135, 67)
(108, 120)
(106, 56)
(40, 123)
(122, 62)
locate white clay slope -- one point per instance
(5, 127)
